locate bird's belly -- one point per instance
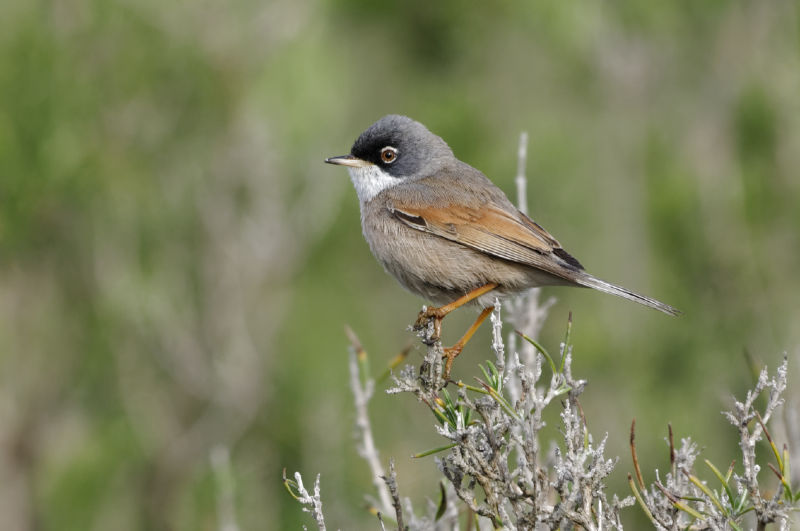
(440, 270)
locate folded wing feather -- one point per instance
(489, 229)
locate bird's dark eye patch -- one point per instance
(388, 154)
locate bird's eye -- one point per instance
(388, 154)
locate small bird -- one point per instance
(447, 233)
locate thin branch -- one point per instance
(299, 493)
(361, 396)
(391, 483)
(634, 455)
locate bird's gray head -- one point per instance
(390, 150)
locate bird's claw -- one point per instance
(424, 320)
(450, 355)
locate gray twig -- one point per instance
(366, 446)
(391, 482)
(311, 503)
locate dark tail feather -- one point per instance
(601, 285)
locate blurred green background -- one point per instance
(177, 263)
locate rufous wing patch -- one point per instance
(489, 229)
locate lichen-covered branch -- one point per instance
(732, 499)
(312, 503)
(495, 465)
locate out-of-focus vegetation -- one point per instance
(177, 264)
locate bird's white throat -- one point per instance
(370, 180)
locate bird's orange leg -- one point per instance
(455, 350)
(437, 314)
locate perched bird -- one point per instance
(447, 233)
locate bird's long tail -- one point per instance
(592, 282)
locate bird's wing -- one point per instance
(492, 229)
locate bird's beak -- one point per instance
(348, 160)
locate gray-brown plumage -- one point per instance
(443, 229)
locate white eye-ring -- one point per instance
(389, 154)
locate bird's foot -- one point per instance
(450, 355)
(430, 320)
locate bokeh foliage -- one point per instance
(176, 264)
